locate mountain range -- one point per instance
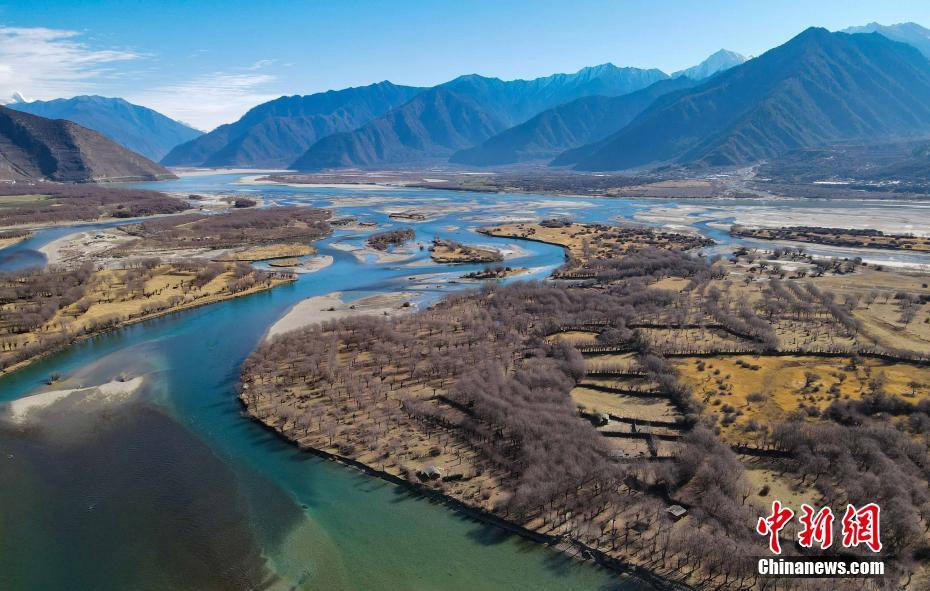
(870, 84)
(816, 89)
(138, 128)
(280, 133)
(566, 126)
(275, 133)
(584, 120)
(459, 114)
(33, 147)
(910, 33)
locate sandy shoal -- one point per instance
(332, 307)
(19, 409)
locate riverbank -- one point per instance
(557, 544)
(100, 318)
(16, 238)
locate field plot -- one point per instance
(749, 392)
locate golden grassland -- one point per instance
(880, 312)
(623, 405)
(761, 390)
(269, 251)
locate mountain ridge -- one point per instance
(431, 125)
(817, 88)
(910, 33)
(566, 126)
(274, 133)
(500, 103)
(140, 129)
(33, 147)
(719, 61)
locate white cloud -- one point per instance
(46, 63)
(42, 64)
(209, 100)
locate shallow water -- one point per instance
(177, 490)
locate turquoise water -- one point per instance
(177, 490)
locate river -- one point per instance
(177, 490)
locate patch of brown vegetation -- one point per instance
(46, 310)
(838, 237)
(52, 203)
(451, 252)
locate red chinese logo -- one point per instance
(860, 526)
(816, 527)
(773, 524)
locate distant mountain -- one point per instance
(16, 97)
(422, 130)
(33, 147)
(910, 33)
(717, 62)
(432, 125)
(275, 133)
(140, 129)
(566, 126)
(515, 101)
(816, 89)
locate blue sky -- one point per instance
(207, 62)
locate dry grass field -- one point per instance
(748, 392)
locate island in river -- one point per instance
(136, 272)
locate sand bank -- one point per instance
(19, 410)
(332, 307)
(313, 265)
(82, 246)
(365, 254)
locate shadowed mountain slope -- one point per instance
(273, 134)
(573, 124)
(139, 129)
(33, 147)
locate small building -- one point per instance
(429, 472)
(677, 512)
